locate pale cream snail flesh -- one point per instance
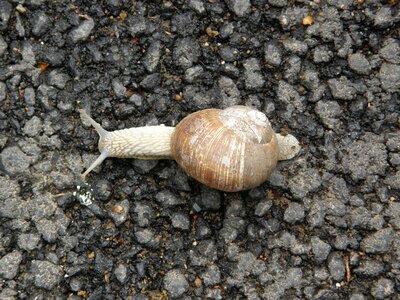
(230, 150)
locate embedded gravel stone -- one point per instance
(359, 63)
(210, 199)
(119, 212)
(40, 23)
(322, 54)
(239, 7)
(144, 214)
(383, 17)
(152, 57)
(342, 88)
(186, 52)
(143, 166)
(252, 74)
(295, 46)
(294, 213)
(151, 81)
(197, 5)
(262, 207)
(185, 23)
(393, 180)
(103, 263)
(364, 158)
(58, 79)
(272, 54)
(393, 141)
(390, 77)
(5, 13)
(382, 289)
(194, 73)
(336, 266)
(378, 242)
(278, 3)
(121, 273)
(83, 31)
(9, 188)
(166, 198)
(137, 25)
(390, 52)
(229, 92)
(360, 217)
(320, 249)
(211, 276)
(29, 96)
(204, 253)
(9, 264)
(357, 296)
(145, 237)
(104, 190)
(33, 126)
(304, 182)
(28, 241)
(48, 229)
(329, 112)
(46, 274)
(180, 221)
(3, 91)
(370, 268)
(175, 283)
(229, 54)
(14, 160)
(3, 46)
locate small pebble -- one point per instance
(336, 266)
(33, 126)
(40, 23)
(342, 88)
(14, 160)
(9, 264)
(382, 289)
(263, 207)
(119, 212)
(239, 7)
(82, 32)
(121, 273)
(320, 249)
(252, 74)
(359, 63)
(28, 241)
(175, 283)
(211, 276)
(180, 221)
(294, 213)
(378, 242)
(166, 198)
(186, 52)
(46, 274)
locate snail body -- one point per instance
(230, 150)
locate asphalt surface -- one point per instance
(325, 225)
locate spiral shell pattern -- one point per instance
(230, 150)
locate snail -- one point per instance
(230, 150)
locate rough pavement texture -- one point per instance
(326, 224)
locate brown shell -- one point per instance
(230, 150)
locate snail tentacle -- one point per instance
(103, 155)
(147, 142)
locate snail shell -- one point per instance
(231, 150)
